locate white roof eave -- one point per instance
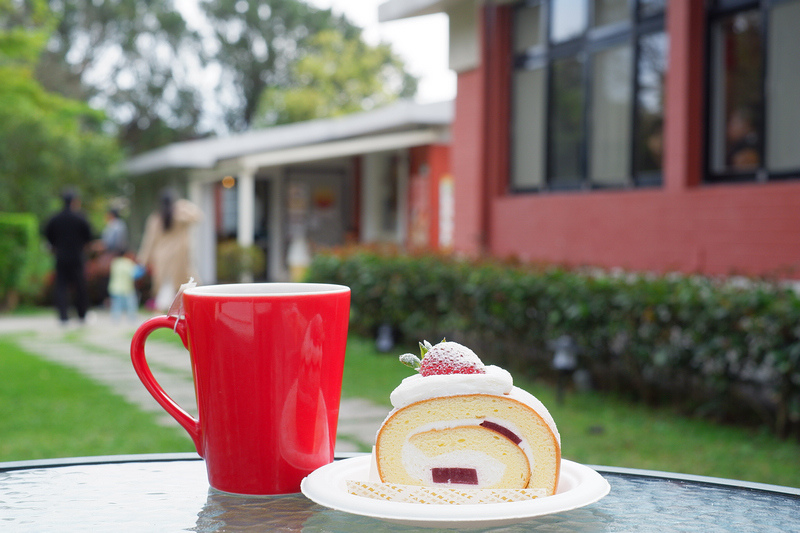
(401, 9)
(206, 153)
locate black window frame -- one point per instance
(592, 41)
(717, 10)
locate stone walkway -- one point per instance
(100, 349)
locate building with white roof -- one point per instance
(316, 183)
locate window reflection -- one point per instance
(587, 106)
(650, 80)
(783, 113)
(610, 11)
(566, 129)
(528, 125)
(527, 28)
(651, 7)
(611, 103)
(737, 92)
(568, 19)
(754, 79)
(737, 95)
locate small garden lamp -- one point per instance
(384, 342)
(565, 361)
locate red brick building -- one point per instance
(644, 134)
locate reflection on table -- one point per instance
(171, 493)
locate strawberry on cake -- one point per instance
(461, 424)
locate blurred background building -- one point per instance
(309, 185)
(643, 134)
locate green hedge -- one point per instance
(235, 261)
(720, 348)
(24, 262)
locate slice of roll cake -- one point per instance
(461, 424)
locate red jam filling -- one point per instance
(465, 476)
(502, 430)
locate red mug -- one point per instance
(267, 360)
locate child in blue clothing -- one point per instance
(121, 287)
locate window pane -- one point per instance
(568, 19)
(528, 129)
(610, 11)
(650, 79)
(527, 28)
(783, 113)
(566, 130)
(611, 105)
(737, 93)
(651, 7)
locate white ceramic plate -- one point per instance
(578, 486)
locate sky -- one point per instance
(422, 42)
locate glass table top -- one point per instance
(171, 493)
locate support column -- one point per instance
(245, 227)
(204, 241)
(245, 200)
(403, 174)
(683, 108)
(277, 267)
(374, 168)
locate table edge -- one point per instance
(112, 459)
(191, 456)
(694, 478)
(97, 459)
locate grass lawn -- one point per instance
(47, 411)
(597, 429)
(50, 411)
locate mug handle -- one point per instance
(189, 423)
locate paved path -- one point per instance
(100, 349)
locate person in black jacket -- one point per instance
(68, 233)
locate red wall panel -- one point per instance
(681, 226)
(428, 165)
(439, 161)
(467, 163)
(749, 229)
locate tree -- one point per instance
(335, 76)
(132, 58)
(23, 30)
(260, 44)
(46, 141)
(141, 62)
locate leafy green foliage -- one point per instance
(258, 43)
(334, 77)
(129, 57)
(234, 260)
(23, 261)
(24, 28)
(12, 247)
(712, 347)
(164, 74)
(46, 141)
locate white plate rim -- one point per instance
(579, 486)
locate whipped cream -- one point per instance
(496, 381)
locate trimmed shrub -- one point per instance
(235, 261)
(24, 263)
(727, 349)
